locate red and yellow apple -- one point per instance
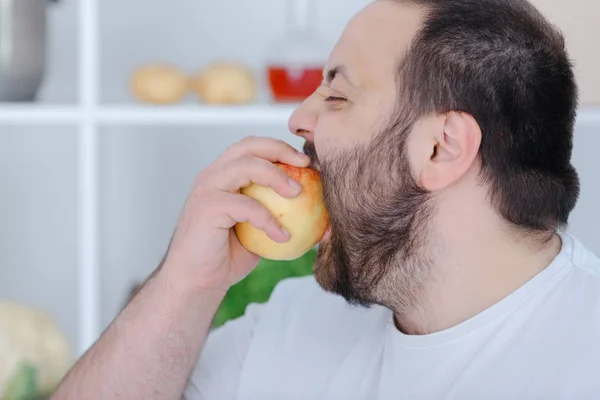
(305, 217)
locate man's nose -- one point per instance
(303, 120)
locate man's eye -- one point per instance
(334, 99)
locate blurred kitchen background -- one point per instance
(152, 131)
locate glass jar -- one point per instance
(295, 63)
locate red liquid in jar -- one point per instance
(294, 84)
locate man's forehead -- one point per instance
(373, 42)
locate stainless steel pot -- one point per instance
(23, 36)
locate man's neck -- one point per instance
(481, 264)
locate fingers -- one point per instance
(239, 208)
(243, 171)
(249, 161)
(273, 150)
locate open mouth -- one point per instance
(311, 152)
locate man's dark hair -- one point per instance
(504, 63)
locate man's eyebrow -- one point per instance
(330, 74)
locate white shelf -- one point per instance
(260, 114)
(196, 114)
(38, 114)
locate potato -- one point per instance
(224, 83)
(159, 84)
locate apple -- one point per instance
(305, 217)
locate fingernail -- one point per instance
(302, 155)
(295, 185)
(286, 234)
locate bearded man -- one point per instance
(443, 134)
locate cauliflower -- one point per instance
(34, 353)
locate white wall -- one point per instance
(585, 219)
(579, 21)
(146, 171)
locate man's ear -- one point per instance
(452, 151)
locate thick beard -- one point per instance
(379, 225)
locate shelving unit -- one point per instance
(89, 116)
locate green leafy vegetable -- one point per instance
(259, 284)
(24, 385)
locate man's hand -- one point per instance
(152, 346)
(204, 248)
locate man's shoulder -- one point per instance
(586, 266)
(575, 299)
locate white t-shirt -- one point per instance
(540, 342)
